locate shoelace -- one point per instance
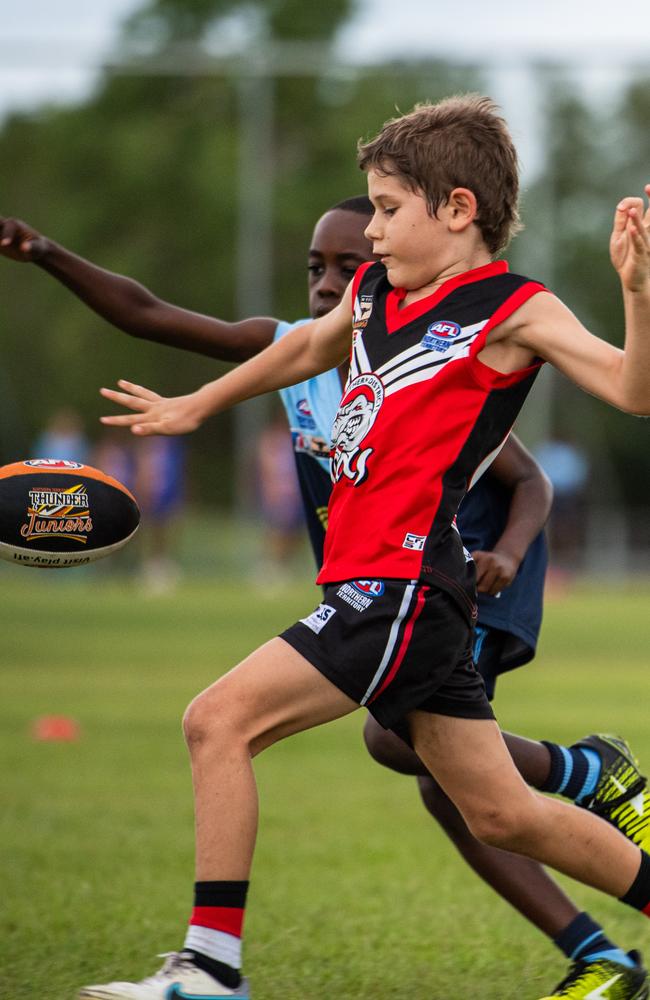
(175, 961)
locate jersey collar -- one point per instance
(396, 318)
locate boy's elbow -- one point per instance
(636, 406)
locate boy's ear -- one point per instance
(462, 209)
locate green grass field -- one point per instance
(355, 893)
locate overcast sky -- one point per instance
(51, 51)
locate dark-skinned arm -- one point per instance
(530, 504)
(130, 306)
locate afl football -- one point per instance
(55, 514)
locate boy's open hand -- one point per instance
(629, 246)
(154, 414)
(20, 242)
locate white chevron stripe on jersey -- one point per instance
(359, 362)
(406, 356)
(424, 365)
(425, 361)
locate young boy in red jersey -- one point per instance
(446, 344)
(358, 411)
(499, 521)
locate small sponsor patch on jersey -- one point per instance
(412, 541)
(361, 312)
(440, 335)
(319, 618)
(304, 415)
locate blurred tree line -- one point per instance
(142, 179)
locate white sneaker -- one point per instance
(179, 979)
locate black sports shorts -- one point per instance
(394, 646)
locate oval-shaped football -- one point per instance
(55, 514)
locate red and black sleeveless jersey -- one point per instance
(421, 417)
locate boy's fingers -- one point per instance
(124, 399)
(638, 225)
(138, 390)
(623, 210)
(145, 430)
(121, 420)
(7, 232)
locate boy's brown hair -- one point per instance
(460, 142)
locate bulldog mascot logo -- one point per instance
(356, 415)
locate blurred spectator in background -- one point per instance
(567, 466)
(113, 454)
(279, 500)
(63, 437)
(159, 488)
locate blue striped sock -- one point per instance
(585, 941)
(574, 771)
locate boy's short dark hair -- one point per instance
(360, 204)
(461, 141)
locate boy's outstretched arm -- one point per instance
(530, 504)
(130, 306)
(549, 330)
(302, 353)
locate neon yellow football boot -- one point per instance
(604, 980)
(621, 795)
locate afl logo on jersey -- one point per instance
(440, 335)
(357, 413)
(304, 415)
(372, 588)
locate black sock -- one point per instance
(638, 895)
(226, 975)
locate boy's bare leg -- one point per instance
(469, 759)
(273, 693)
(532, 759)
(523, 883)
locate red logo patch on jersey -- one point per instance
(356, 415)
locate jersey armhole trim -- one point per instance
(491, 378)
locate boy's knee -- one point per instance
(206, 719)
(506, 826)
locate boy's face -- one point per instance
(338, 248)
(407, 239)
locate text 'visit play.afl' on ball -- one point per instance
(55, 514)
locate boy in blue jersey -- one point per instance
(501, 521)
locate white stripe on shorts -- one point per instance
(392, 640)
